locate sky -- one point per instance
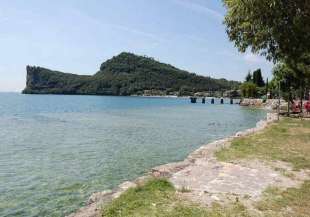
(76, 36)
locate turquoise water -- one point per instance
(57, 150)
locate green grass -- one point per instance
(291, 202)
(158, 198)
(288, 141)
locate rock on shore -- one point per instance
(251, 102)
(270, 104)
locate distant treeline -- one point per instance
(125, 74)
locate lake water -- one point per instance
(57, 150)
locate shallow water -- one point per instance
(57, 150)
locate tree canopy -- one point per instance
(248, 90)
(278, 29)
(249, 77)
(258, 78)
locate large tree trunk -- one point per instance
(289, 102)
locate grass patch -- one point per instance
(287, 140)
(158, 198)
(284, 172)
(141, 200)
(291, 202)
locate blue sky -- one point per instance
(77, 36)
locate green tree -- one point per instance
(258, 78)
(248, 90)
(248, 77)
(285, 78)
(278, 29)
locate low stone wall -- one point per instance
(251, 102)
(272, 104)
(269, 104)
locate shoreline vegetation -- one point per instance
(263, 171)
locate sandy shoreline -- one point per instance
(172, 171)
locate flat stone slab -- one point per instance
(168, 169)
(214, 181)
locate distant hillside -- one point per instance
(125, 74)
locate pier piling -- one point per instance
(193, 99)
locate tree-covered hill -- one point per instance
(125, 74)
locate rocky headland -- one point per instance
(123, 75)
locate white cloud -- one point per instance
(137, 32)
(199, 8)
(253, 58)
(248, 57)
